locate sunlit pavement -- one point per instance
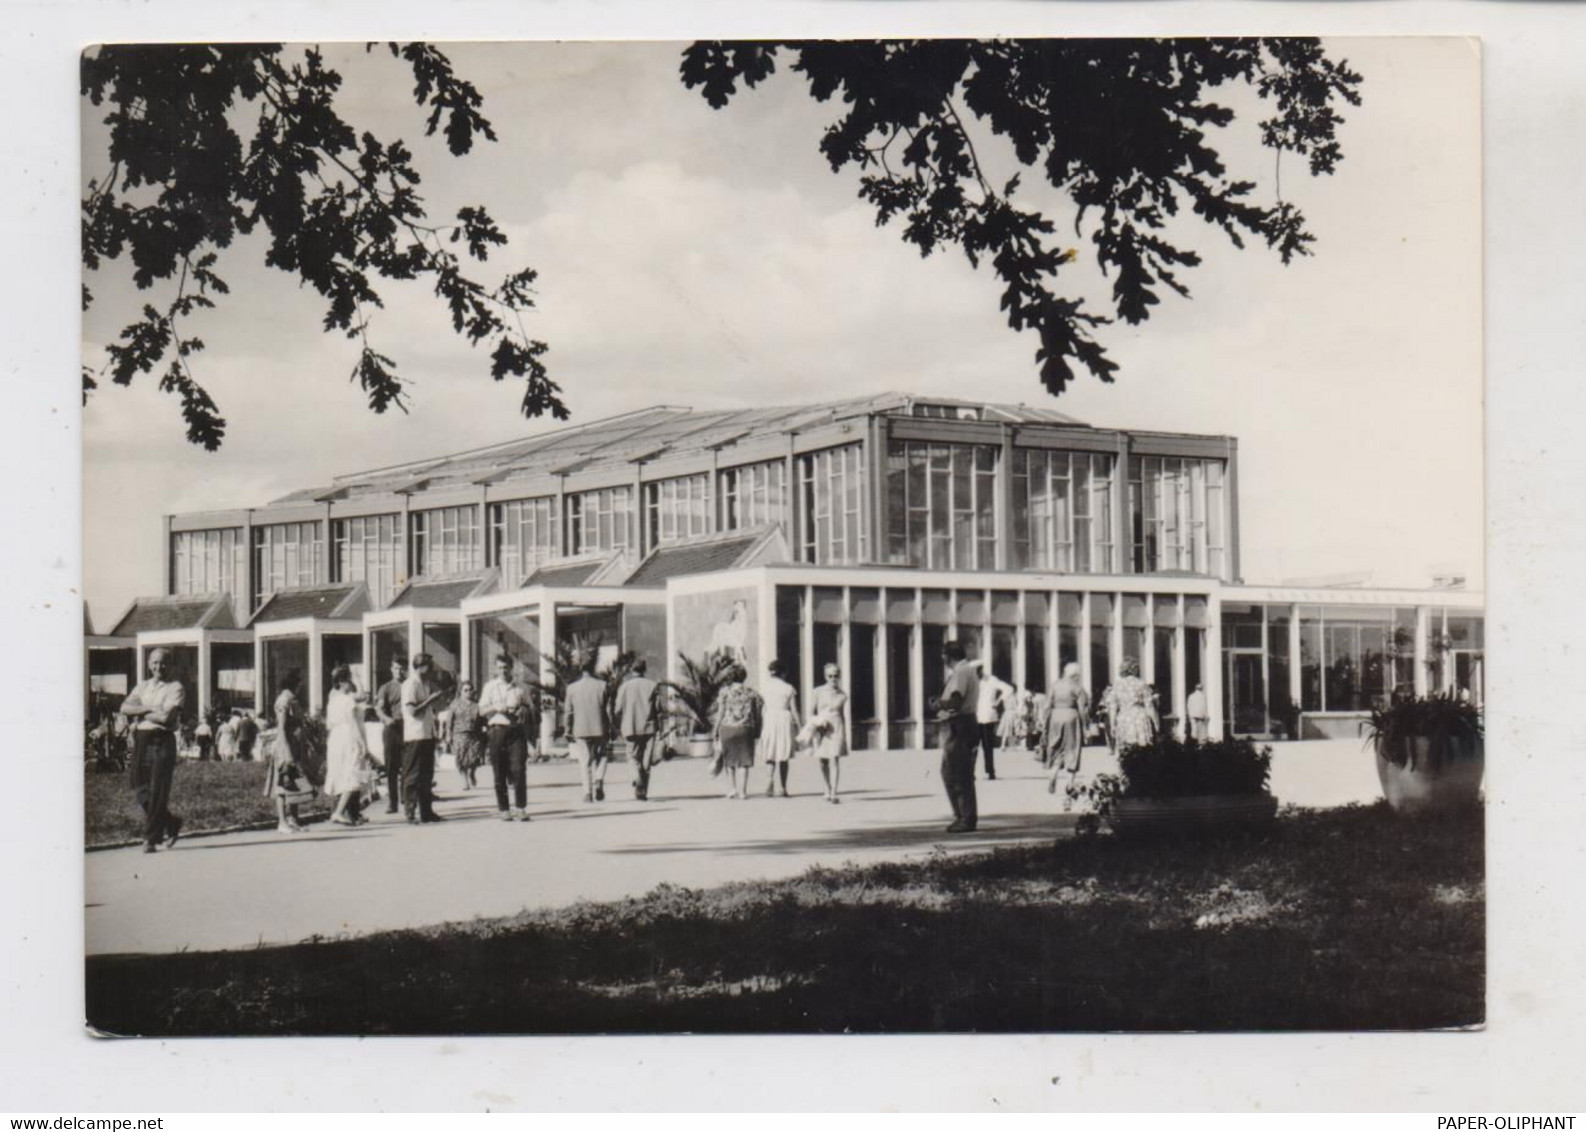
(244, 889)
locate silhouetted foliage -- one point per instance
(208, 142)
(1118, 125)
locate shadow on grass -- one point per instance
(1339, 921)
(1004, 828)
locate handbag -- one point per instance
(292, 785)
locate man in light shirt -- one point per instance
(995, 698)
(156, 707)
(420, 696)
(502, 707)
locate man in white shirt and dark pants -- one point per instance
(501, 706)
(994, 695)
(156, 707)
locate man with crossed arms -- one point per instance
(156, 707)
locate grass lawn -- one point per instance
(208, 795)
(1340, 919)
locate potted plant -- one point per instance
(1431, 752)
(1179, 786)
(691, 701)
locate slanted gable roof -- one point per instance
(697, 558)
(570, 574)
(443, 593)
(339, 602)
(181, 611)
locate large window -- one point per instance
(1177, 516)
(833, 486)
(206, 562)
(1350, 657)
(677, 509)
(942, 505)
(524, 533)
(600, 520)
(445, 541)
(1062, 511)
(285, 555)
(369, 549)
(752, 495)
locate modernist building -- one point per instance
(866, 532)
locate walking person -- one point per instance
(995, 697)
(956, 711)
(1130, 705)
(287, 781)
(588, 730)
(829, 714)
(204, 736)
(463, 727)
(346, 749)
(226, 738)
(388, 706)
(501, 707)
(247, 736)
(1067, 719)
(780, 725)
(155, 707)
(420, 697)
(635, 711)
(739, 716)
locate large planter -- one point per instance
(1433, 782)
(1195, 814)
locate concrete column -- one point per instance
(564, 537)
(806, 674)
(316, 670)
(259, 690)
(547, 646)
(1084, 641)
(1180, 692)
(883, 670)
(244, 601)
(1054, 655)
(1148, 657)
(205, 674)
(1018, 646)
(641, 537)
(1266, 669)
(482, 555)
(1115, 636)
(768, 629)
(845, 659)
(917, 670)
(1214, 665)
(1296, 681)
(322, 568)
(713, 493)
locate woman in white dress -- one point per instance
(829, 729)
(781, 724)
(346, 749)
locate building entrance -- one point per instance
(1245, 694)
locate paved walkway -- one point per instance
(240, 890)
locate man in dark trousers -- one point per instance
(955, 709)
(635, 711)
(587, 729)
(388, 706)
(501, 706)
(155, 706)
(421, 696)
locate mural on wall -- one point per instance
(726, 620)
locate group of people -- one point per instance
(397, 730)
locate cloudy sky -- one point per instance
(710, 258)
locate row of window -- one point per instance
(941, 514)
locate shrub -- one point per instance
(1445, 720)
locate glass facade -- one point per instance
(677, 509)
(206, 562)
(1177, 516)
(600, 521)
(368, 549)
(942, 505)
(523, 533)
(1062, 511)
(832, 483)
(445, 540)
(752, 495)
(286, 555)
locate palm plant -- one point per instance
(692, 698)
